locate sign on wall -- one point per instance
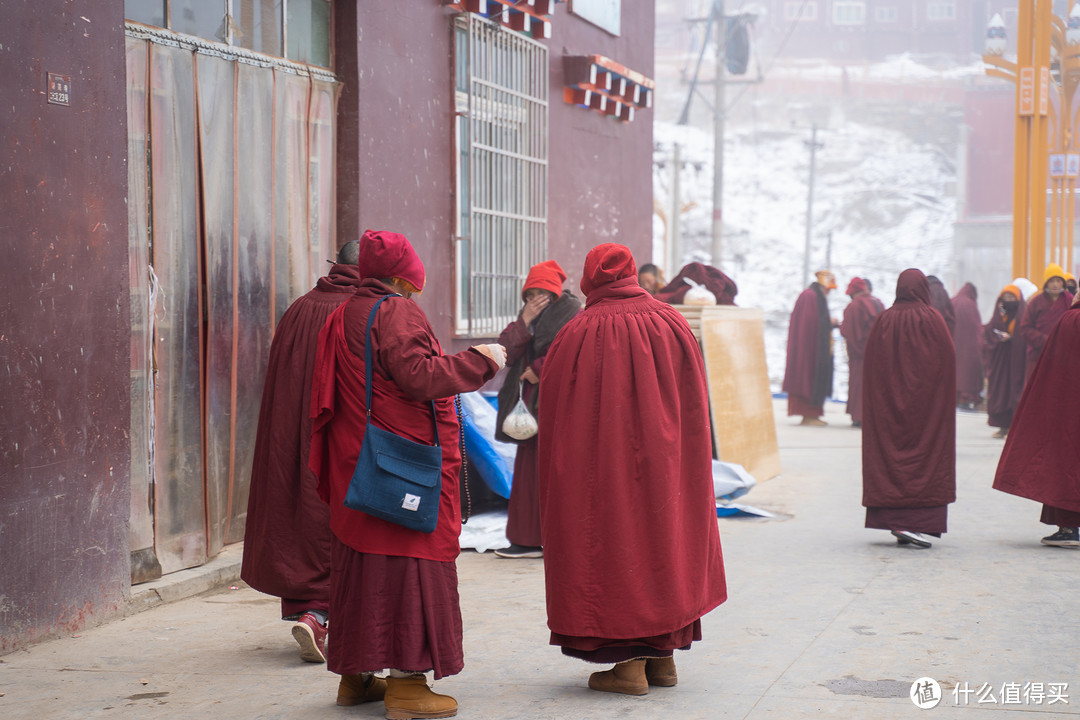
(602, 13)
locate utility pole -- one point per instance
(674, 249)
(718, 133)
(813, 144)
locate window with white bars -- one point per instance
(501, 104)
(886, 14)
(800, 10)
(941, 11)
(849, 12)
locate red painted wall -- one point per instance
(64, 320)
(989, 114)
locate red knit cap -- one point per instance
(605, 264)
(385, 254)
(856, 285)
(545, 276)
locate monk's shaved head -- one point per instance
(349, 253)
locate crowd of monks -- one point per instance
(912, 365)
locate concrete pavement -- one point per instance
(825, 619)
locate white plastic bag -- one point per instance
(698, 294)
(520, 424)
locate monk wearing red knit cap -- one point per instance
(547, 307)
(393, 590)
(632, 554)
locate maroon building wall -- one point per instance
(600, 169)
(64, 320)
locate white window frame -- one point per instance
(941, 11)
(886, 14)
(849, 12)
(798, 11)
(501, 171)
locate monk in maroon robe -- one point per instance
(909, 424)
(968, 339)
(632, 555)
(287, 536)
(547, 307)
(859, 317)
(809, 373)
(393, 591)
(715, 281)
(1043, 311)
(1041, 460)
(1006, 360)
(940, 301)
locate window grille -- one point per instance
(849, 12)
(501, 103)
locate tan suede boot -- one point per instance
(352, 690)
(661, 672)
(627, 678)
(410, 697)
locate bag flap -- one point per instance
(418, 470)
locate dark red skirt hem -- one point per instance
(607, 650)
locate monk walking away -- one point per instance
(287, 536)
(859, 317)
(393, 590)
(808, 376)
(1005, 360)
(547, 307)
(632, 553)
(909, 418)
(968, 339)
(1041, 458)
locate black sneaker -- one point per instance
(1064, 537)
(520, 551)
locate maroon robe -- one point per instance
(393, 590)
(859, 317)
(1040, 316)
(287, 537)
(714, 280)
(940, 301)
(909, 424)
(809, 372)
(1006, 361)
(526, 348)
(1041, 458)
(632, 554)
(968, 339)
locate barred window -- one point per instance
(501, 104)
(849, 12)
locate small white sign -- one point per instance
(1057, 165)
(411, 502)
(1072, 164)
(606, 14)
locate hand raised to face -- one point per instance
(534, 305)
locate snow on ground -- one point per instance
(884, 200)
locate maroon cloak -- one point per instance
(1041, 458)
(1040, 316)
(859, 317)
(410, 370)
(714, 280)
(809, 372)
(631, 547)
(1005, 364)
(287, 537)
(940, 301)
(968, 339)
(909, 424)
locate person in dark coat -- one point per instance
(809, 373)
(859, 317)
(287, 536)
(968, 339)
(940, 301)
(1041, 460)
(547, 307)
(632, 554)
(1043, 311)
(1006, 360)
(393, 590)
(713, 279)
(909, 417)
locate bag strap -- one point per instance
(368, 371)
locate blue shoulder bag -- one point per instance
(396, 479)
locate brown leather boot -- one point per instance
(627, 678)
(352, 690)
(410, 697)
(661, 672)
